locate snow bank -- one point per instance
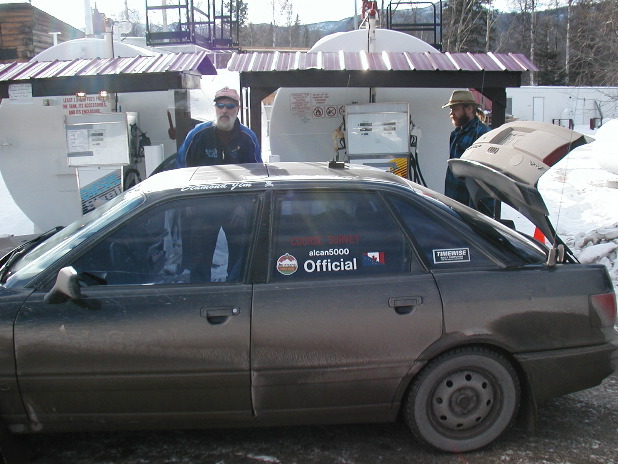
(582, 196)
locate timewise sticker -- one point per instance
(451, 255)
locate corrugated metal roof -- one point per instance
(381, 61)
(190, 63)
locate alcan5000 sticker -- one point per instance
(287, 264)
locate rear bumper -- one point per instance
(558, 372)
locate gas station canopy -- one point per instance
(489, 73)
(174, 71)
(383, 69)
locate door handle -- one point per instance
(218, 315)
(405, 304)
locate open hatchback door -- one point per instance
(506, 164)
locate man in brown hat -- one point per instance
(465, 112)
(222, 141)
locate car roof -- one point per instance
(257, 173)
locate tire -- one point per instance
(463, 400)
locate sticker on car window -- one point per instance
(330, 265)
(373, 258)
(343, 239)
(451, 255)
(304, 241)
(287, 264)
(330, 252)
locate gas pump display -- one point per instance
(378, 135)
(97, 146)
(99, 139)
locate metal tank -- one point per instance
(303, 120)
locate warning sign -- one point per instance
(300, 103)
(331, 111)
(71, 105)
(318, 112)
(319, 99)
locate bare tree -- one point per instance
(528, 9)
(567, 57)
(134, 17)
(464, 23)
(288, 13)
(594, 43)
(533, 4)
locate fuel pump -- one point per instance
(382, 135)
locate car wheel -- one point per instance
(463, 400)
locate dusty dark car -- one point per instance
(294, 293)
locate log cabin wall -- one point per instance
(25, 32)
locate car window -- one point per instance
(336, 234)
(441, 244)
(194, 240)
(61, 243)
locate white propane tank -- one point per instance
(303, 119)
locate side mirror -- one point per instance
(66, 287)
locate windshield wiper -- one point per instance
(12, 256)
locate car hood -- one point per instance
(506, 164)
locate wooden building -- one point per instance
(26, 31)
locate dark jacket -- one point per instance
(202, 147)
(461, 139)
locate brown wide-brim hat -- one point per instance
(461, 97)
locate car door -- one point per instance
(346, 312)
(161, 336)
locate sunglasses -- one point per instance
(229, 106)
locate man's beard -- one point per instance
(225, 124)
(461, 120)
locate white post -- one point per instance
(108, 35)
(88, 18)
(165, 26)
(55, 35)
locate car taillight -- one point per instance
(603, 309)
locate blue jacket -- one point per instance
(461, 139)
(202, 147)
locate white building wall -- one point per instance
(581, 104)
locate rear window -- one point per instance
(449, 237)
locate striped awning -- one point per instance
(126, 74)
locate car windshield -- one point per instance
(69, 237)
(503, 238)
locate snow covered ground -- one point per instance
(580, 192)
